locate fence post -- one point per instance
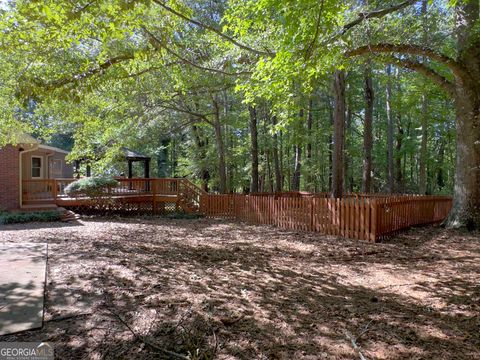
(312, 213)
(373, 220)
(154, 196)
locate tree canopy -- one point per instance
(239, 95)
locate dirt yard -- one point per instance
(145, 288)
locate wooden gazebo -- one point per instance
(127, 154)
(133, 156)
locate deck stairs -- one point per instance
(189, 196)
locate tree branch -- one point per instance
(78, 77)
(375, 14)
(438, 79)
(185, 111)
(362, 16)
(157, 44)
(212, 29)
(311, 46)
(408, 49)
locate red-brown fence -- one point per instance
(357, 217)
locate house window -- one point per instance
(36, 167)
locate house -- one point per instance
(27, 167)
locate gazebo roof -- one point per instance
(133, 155)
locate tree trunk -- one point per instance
(201, 156)
(297, 159)
(398, 157)
(466, 199)
(268, 160)
(367, 131)
(338, 134)
(221, 149)
(282, 168)
(297, 168)
(310, 178)
(276, 160)
(390, 185)
(347, 171)
(422, 172)
(254, 148)
(466, 204)
(440, 163)
(330, 149)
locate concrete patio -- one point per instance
(22, 286)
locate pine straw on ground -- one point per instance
(145, 288)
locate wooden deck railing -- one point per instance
(357, 217)
(156, 194)
(44, 189)
(52, 189)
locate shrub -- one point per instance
(91, 187)
(24, 217)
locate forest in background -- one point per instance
(256, 96)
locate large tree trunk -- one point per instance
(222, 188)
(367, 131)
(338, 134)
(389, 131)
(466, 204)
(254, 148)
(466, 199)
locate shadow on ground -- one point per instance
(144, 288)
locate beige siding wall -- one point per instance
(59, 168)
(54, 165)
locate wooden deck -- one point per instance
(156, 195)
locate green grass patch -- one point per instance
(26, 217)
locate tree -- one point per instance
(455, 69)
(390, 130)
(254, 147)
(338, 134)
(163, 66)
(465, 90)
(367, 131)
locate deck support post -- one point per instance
(55, 191)
(147, 174)
(130, 173)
